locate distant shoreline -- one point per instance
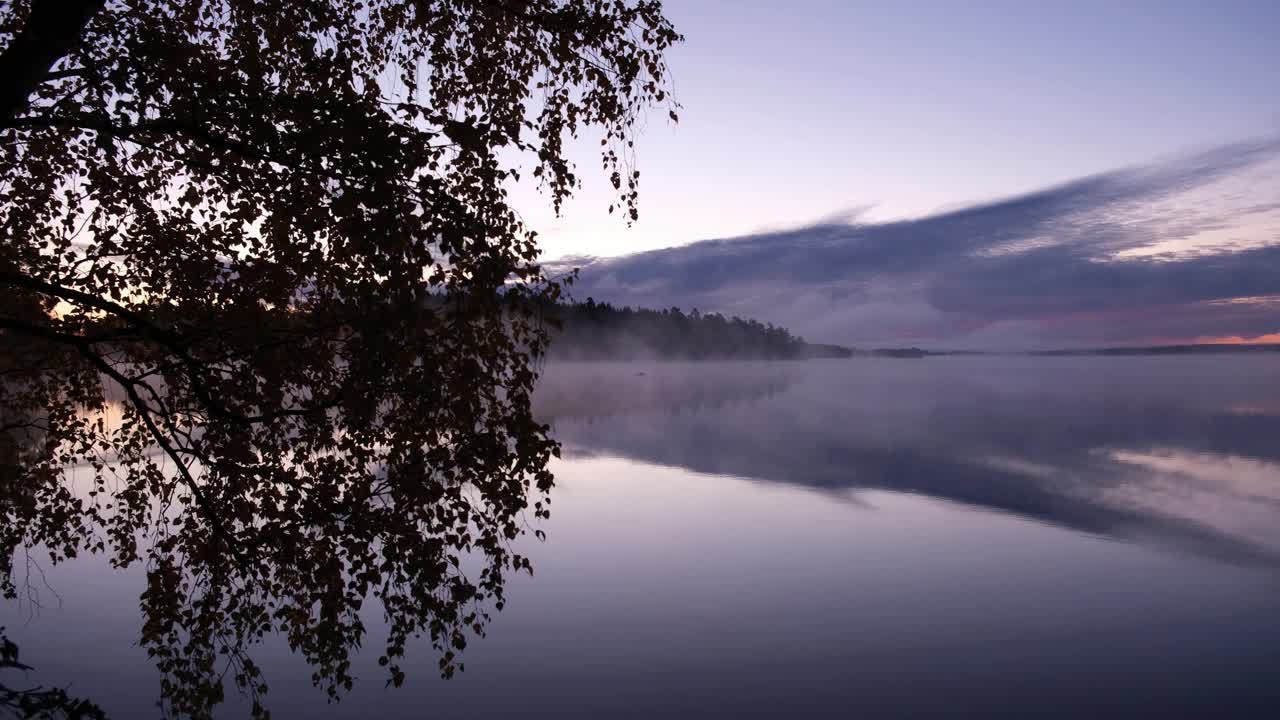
(1189, 349)
(822, 351)
(1193, 349)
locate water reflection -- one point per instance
(1047, 537)
(1180, 452)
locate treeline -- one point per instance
(601, 331)
(1189, 349)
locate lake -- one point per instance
(1047, 536)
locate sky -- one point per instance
(872, 124)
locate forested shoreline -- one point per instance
(602, 331)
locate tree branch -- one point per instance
(50, 32)
(64, 74)
(129, 385)
(171, 341)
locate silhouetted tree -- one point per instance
(221, 219)
(38, 702)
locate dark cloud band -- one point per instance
(1053, 266)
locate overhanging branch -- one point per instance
(49, 33)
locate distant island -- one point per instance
(1189, 349)
(911, 352)
(1185, 349)
(601, 331)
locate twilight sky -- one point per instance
(1116, 163)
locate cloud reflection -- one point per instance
(1140, 449)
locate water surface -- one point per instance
(889, 538)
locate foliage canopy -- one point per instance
(262, 290)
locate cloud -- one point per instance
(1146, 254)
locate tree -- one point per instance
(39, 702)
(260, 277)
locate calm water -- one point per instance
(888, 538)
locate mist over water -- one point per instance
(1178, 450)
(1047, 536)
